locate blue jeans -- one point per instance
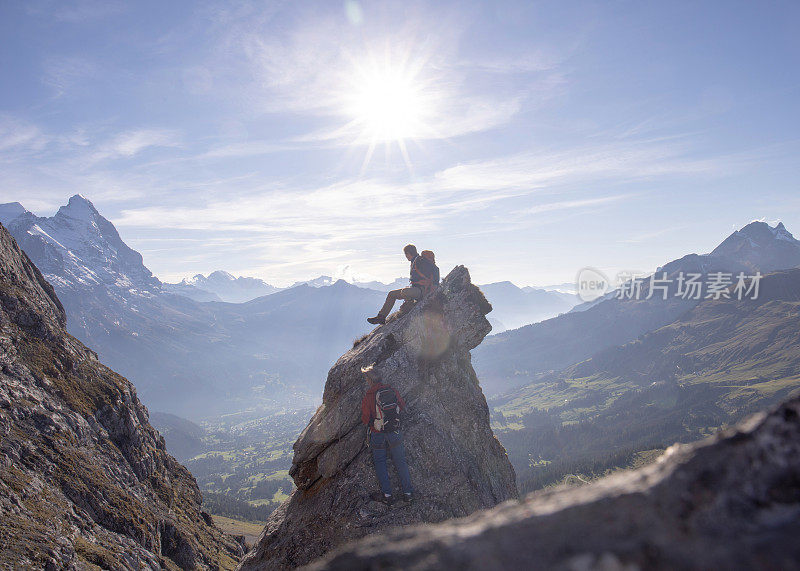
(379, 442)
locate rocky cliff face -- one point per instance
(84, 478)
(457, 466)
(729, 502)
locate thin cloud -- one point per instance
(574, 204)
(130, 143)
(19, 135)
(632, 160)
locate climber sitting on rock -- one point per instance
(424, 279)
(380, 411)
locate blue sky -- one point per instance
(286, 140)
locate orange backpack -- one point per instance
(429, 255)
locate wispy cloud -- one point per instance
(19, 135)
(295, 224)
(629, 160)
(130, 143)
(573, 204)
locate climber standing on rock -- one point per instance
(380, 411)
(424, 279)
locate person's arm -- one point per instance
(400, 400)
(366, 410)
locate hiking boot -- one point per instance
(382, 498)
(408, 497)
(377, 320)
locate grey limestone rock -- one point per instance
(457, 465)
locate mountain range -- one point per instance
(516, 307)
(611, 385)
(221, 286)
(186, 357)
(196, 358)
(513, 306)
(85, 480)
(516, 358)
(187, 351)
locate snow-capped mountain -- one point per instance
(192, 359)
(10, 211)
(78, 248)
(325, 281)
(380, 286)
(321, 281)
(222, 286)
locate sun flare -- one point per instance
(389, 104)
(388, 107)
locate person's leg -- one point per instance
(410, 296)
(391, 297)
(398, 452)
(412, 292)
(378, 444)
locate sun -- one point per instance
(389, 103)
(388, 106)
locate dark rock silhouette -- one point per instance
(457, 465)
(729, 502)
(85, 480)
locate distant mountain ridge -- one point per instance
(185, 357)
(221, 286)
(516, 307)
(516, 358)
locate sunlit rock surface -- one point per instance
(457, 465)
(85, 481)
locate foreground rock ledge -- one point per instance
(457, 465)
(729, 502)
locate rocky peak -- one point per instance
(729, 502)
(9, 211)
(781, 233)
(85, 481)
(78, 208)
(457, 465)
(762, 233)
(321, 281)
(222, 276)
(79, 249)
(760, 247)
